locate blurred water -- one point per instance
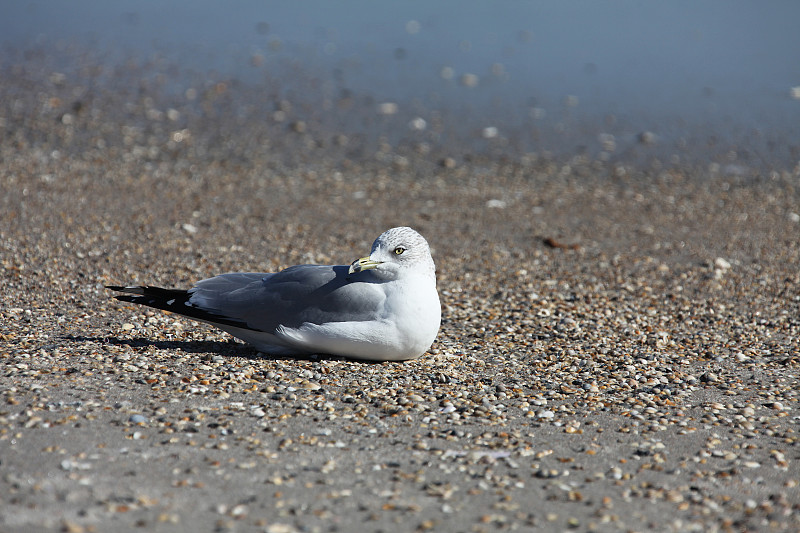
(705, 78)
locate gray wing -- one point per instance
(299, 294)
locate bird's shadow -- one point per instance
(225, 349)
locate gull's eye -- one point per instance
(399, 250)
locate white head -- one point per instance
(395, 251)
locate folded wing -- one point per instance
(264, 302)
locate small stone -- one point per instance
(417, 124)
(647, 137)
(387, 108)
(469, 80)
(709, 377)
(239, 511)
(71, 527)
(447, 162)
(547, 473)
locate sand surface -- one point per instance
(619, 346)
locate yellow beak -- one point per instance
(365, 263)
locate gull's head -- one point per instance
(396, 251)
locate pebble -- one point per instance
(388, 108)
(709, 377)
(137, 419)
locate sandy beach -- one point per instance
(618, 352)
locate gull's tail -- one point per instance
(173, 300)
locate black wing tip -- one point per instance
(174, 301)
(150, 296)
(119, 288)
(144, 290)
(134, 289)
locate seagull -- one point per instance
(383, 307)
